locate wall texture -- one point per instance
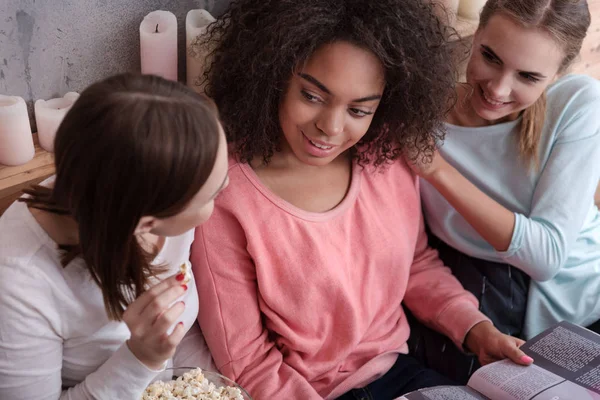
(50, 47)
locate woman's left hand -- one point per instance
(489, 344)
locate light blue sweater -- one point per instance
(556, 239)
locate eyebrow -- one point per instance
(220, 188)
(322, 87)
(536, 74)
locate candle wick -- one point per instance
(156, 31)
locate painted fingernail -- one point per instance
(527, 359)
(183, 302)
(180, 323)
(180, 277)
(184, 287)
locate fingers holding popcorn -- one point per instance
(185, 270)
(149, 319)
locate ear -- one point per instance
(145, 225)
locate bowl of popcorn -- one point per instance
(195, 384)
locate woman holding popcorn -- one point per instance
(92, 300)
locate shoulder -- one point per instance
(396, 171)
(29, 262)
(574, 92)
(573, 110)
(395, 181)
(21, 236)
(26, 293)
(239, 176)
(245, 192)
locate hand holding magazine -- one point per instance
(566, 367)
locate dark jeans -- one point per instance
(502, 293)
(406, 375)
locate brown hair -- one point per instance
(130, 146)
(258, 45)
(567, 21)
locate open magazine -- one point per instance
(566, 367)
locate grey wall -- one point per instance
(50, 47)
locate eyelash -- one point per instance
(355, 111)
(310, 97)
(530, 78)
(490, 58)
(359, 113)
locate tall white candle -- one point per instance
(196, 23)
(470, 9)
(16, 140)
(158, 44)
(48, 116)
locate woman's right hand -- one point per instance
(426, 170)
(149, 318)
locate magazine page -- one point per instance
(444, 393)
(566, 367)
(505, 380)
(570, 351)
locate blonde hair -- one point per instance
(567, 21)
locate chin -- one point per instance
(499, 117)
(490, 115)
(314, 161)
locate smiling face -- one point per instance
(509, 69)
(330, 102)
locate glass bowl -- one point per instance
(217, 379)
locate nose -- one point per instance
(331, 122)
(500, 88)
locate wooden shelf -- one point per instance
(15, 179)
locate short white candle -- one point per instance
(16, 140)
(196, 23)
(48, 116)
(158, 44)
(470, 9)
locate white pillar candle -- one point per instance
(158, 44)
(196, 23)
(470, 9)
(16, 140)
(48, 116)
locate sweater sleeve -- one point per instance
(436, 297)
(31, 349)
(230, 314)
(563, 197)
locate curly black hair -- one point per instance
(258, 44)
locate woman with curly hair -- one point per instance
(320, 237)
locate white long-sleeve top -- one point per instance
(56, 341)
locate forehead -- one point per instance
(346, 69)
(525, 49)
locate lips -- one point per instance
(320, 143)
(491, 103)
(318, 148)
(323, 147)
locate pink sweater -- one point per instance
(301, 305)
